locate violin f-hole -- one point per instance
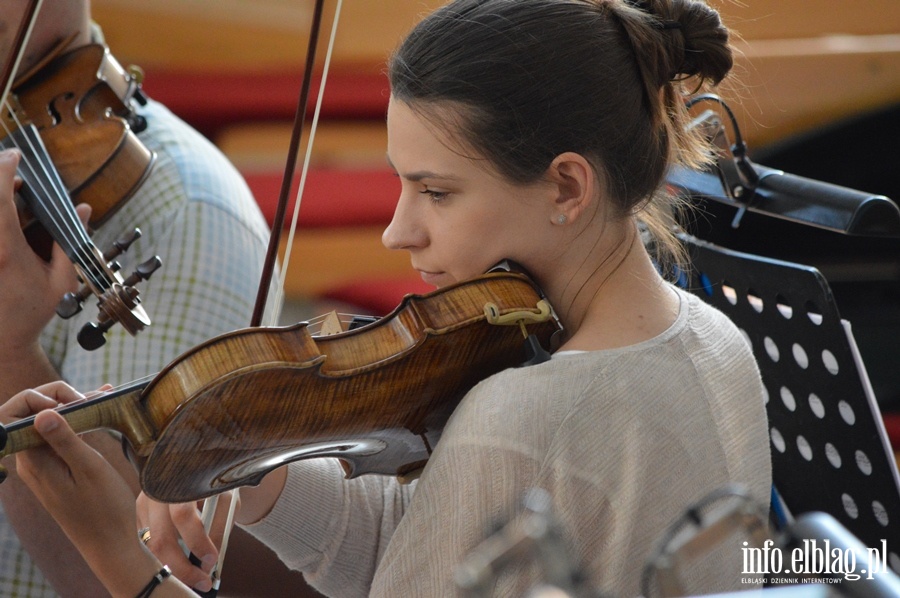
(54, 112)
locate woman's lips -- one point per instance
(432, 278)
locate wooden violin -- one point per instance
(81, 102)
(72, 118)
(229, 411)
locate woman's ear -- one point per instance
(574, 186)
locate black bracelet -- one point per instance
(155, 581)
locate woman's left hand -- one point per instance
(47, 396)
(31, 401)
(89, 499)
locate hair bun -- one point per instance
(693, 40)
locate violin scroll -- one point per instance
(117, 301)
(71, 303)
(44, 199)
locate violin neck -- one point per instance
(120, 410)
(45, 194)
(46, 198)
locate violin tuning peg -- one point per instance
(150, 266)
(122, 244)
(144, 271)
(92, 335)
(68, 306)
(71, 303)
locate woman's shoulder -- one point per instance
(679, 363)
(547, 393)
(711, 336)
(544, 391)
(702, 316)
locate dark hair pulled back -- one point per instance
(531, 79)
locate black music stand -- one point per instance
(829, 448)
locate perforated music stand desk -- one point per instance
(829, 447)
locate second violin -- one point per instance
(71, 117)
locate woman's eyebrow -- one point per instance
(422, 174)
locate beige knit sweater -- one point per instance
(623, 440)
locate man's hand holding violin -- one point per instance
(31, 287)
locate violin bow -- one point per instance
(210, 504)
(291, 161)
(11, 64)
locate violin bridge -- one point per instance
(331, 324)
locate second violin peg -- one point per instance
(71, 303)
(122, 244)
(144, 271)
(93, 334)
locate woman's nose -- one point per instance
(405, 230)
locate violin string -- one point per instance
(25, 167)
(94, 397)
(345, 317)
(45, 184)
(306, 159)
(69, 233)
(58, 205)
(30, 155)
(59, 210)
(48, 181)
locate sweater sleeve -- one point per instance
(333, 529)
(491, 451)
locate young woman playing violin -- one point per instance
(537, 131)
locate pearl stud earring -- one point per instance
(561, 219)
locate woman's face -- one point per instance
(456, 215)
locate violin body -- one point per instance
(236, 407)
(78, 102)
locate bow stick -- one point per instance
(209, 506)
(17, 50)
(290, 163)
